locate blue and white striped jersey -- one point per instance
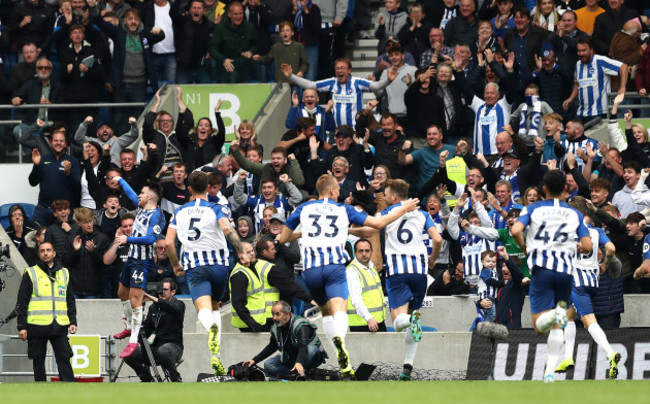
(646, 247)
(587, 265)
(489, 121)
(147, 227)
(443, 255)
(498, 221)
(486, 291)
(405, 253)
(594, 84)
(348, 97)
(572, 146)
(201, 237)
(258, 204)
(552, 229)
(472, 247)
(324, 226)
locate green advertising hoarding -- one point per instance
(86, 355)
(238, 102)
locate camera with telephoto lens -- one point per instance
(4, 251)
(154, 288)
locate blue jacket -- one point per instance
(54, 184)
(118, 35)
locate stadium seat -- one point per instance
(4, 212)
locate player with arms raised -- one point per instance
(407, 260)
(203, 228)
(324, 225)
(139, 266)
(553, 226)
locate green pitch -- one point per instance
(456, 392)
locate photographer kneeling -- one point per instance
(165, 322)
(296, 339)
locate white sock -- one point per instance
(136, 323)
(569, 339)
(553, 350)
(545, 321)
(401, 322)
(411, 348)
(128, 312)
(205, 318)
(341, 324)
(599, 336)
(330, 330)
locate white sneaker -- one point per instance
(549, 379)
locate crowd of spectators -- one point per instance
(475, 102)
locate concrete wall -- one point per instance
(448, 314)
(270, 123)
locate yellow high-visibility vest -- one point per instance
(48, 301)
(254, 297)
(271, 293)
(372, 294)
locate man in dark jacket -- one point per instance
(132, 61)
(165, 322)
(233, 44)
(279, 284)
(58, 232)
(58, 176)
(164, 135)
(296, 339)
(36, 328)
(423, 106)
(359, 156)
(510, 298)
(610, 22)
(41, 89)
(192, 37)
(33, 22)
(85, 256)
(525, 40)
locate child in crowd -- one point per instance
(287, 51)
(488, 285)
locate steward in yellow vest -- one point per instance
(247, 294)
(46, 312)
(279, 283)
(366, 299)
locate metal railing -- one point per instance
(109, 356)
(632, 95)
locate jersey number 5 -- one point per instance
(192, 227)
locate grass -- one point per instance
(457, 392)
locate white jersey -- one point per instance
(405, 253)
(594, 84)
(552, 229)
(488, 122)
(348, 97)
(443, 255)
(324, 226)
(473, 247)
(587, 265)
(197, 228)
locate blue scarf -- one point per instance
(299, 22)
